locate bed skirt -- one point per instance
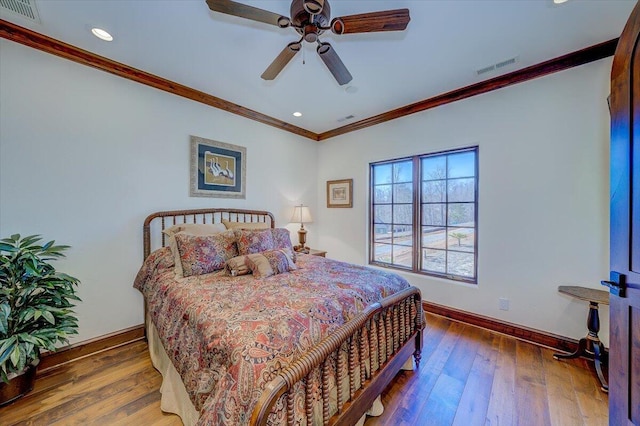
(175, 398)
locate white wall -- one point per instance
(85, 156)
(543, 194)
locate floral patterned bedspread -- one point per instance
(229, 336)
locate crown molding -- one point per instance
(55, 47)
(41, 42)
(574, 59)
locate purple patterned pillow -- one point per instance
(202, 254)
(282, 240)
(254, 241)
(270, 262)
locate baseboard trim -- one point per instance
(542, 338)
(69, 353)
(49, 360)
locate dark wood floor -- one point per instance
(468, 376)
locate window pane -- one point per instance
(461, 189)
(461, 214)
(433, 260)
(462, 165)
(402, 256)
(382, 233)
(382, 214)
(434, 167)
(461, 239)
(403, 236)
(403, 193)
(433, 214)
(434, 191)
(403, 171)
(460, 264)
(434, 237)
(382, 253)
(382, 194)
(382, 174)
(403, 214)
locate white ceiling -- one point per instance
(445, 42)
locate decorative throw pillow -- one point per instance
(254, 241)
(237, 266)
(202, 254)
(191, 229)
(245, 225)
(282, 240)
(270, 263)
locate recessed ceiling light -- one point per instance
(297, 114)
(101, 34)
(560, 1)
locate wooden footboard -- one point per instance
(365, 354)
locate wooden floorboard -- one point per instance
(468, 376)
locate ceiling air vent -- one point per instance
(486, 69)
(505, 63)
(497, 66)
(348, 117)
(23, 8)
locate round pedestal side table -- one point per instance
(589, 346)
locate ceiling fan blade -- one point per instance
(387, 20)
(334, 63)
(249, 12)
(281, 61)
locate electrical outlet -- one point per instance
(503, 304)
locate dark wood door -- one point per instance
(624, 351)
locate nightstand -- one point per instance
(315, 252)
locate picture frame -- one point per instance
(340, 193)
(217, 169)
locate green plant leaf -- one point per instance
(15, 356)
(4, 246)
(49, 317)
(5, 311)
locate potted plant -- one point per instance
(35, 310)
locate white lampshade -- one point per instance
(301, 214)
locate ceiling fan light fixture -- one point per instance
(311, 33)
(313, 7)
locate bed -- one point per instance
(316, 344)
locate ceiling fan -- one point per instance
(311, 18)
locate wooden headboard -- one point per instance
(155, 223)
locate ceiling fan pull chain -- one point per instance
(303, 55)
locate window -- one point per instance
(424, 213)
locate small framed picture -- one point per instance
(218, 169)
(340, 193)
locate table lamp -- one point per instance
(302, 215)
